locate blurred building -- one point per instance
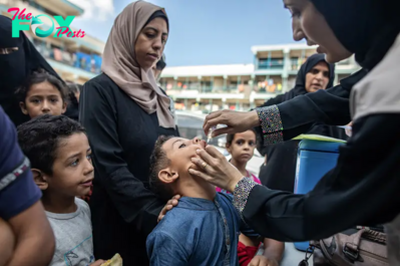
(75, 59)
(240, 87)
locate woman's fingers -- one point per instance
(224, 130)
(208, 123)
(176, 197)
(170, 204)
(214, 153)
(202, 175)
(207, 158)
(213, 114)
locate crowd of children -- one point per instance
(204, 229)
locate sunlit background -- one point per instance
(220, 54)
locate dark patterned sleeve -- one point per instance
(289, 119)
(362, 189)
(270, 124)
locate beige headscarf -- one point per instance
(119, 62)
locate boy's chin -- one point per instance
(83, 192)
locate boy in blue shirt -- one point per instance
(204, 228)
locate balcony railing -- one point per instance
(271, 63)
(90, 63)
(232, 89)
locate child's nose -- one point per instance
(45, 107)
(197, 140)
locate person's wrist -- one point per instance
(255, 120)
(236, 178)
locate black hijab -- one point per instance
(300, 87)
(280, 170)
(367, 28)
(16, 67)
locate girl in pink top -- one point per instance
(241, 146)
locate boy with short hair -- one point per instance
(203, 229)
(59, 151)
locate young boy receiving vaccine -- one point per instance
(42, 93)
(203, 229)
(59, 151)
(241, 148)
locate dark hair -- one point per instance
(40, 138)
(158, 14)
(73, 88)
(158, 161)
(37, 77)
(230, 137)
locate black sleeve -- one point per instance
(276, 100)
(363, 189)
(329, 106)
(133, 201)
(289, 119)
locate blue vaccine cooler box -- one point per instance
(314, 159)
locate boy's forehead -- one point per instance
(72, 144)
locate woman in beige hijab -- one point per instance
(124, 112)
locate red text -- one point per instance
(70, 34)
(20, 15)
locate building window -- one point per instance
(270, 63)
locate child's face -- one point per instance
(72, 169)
(180, 151)
(242, 147)
(43, 98)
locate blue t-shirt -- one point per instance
(18, 191)
(193, 233)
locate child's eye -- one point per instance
(54, 100)
(182, 146)
(251, 143)
(35, 100)
(239, 142)
(89, 157)
(75, 163)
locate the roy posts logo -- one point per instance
(36, 21)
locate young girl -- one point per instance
(241, 147)
(42, 93)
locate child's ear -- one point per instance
(64, 108)
(228, 147)
(23, 108)
(168, 176)
(40, 179)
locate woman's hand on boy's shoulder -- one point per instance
(261, 260)
(170, 204)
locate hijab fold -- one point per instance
(367, 28)
(300, 86)
(15, 67)
(120, 64)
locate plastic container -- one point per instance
(314, 160)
